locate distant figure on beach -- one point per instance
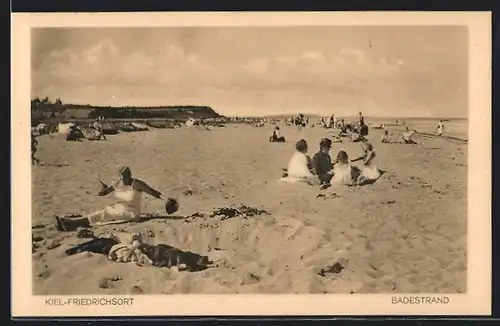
(276, 137)
(73, 133)
(408, 136)
(361, 121)
(300, 166)
(440, 128)
(34, 145)
(322, 162)
(331, 122)
(339, 123)
(300, 122)
(343, 172)
(356, 137)
(370, 171)
(385, 138)
(127, 190)
(99, 132)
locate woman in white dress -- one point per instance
(440, 128)
(370, 170)
(127, 190)
(300, 167)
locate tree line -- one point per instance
(46, 109)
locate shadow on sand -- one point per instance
(161, 255)
(149, 217)
(53, 165)
(372, 181)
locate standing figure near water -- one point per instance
(127, 190)
(361, 121)
(276, 137)
(34, 145)
(370, 171)
(440, 128)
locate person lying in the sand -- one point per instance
(356, 137)
(322, 162)
(370, 169)
(344, 173)
(276, 137)
(407, 136)
(300, 165)
(127, 190)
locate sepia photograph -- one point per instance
(240, 159)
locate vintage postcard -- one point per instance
(251, 163)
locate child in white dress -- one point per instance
(344, 173)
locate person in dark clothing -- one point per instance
(276, 137)
(322, 162)
(34, 145)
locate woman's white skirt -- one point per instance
(371, 172)
(113, 214)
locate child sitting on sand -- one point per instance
(370, 170)
(344, 173)
(276, 137)
(128, 190)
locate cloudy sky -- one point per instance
(382, 71)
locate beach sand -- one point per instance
(404, 234)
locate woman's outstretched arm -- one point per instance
(144, 187)
(369, 157)
(105, 189)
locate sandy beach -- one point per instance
(407, 233)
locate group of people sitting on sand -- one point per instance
(96, 132)
(320, 169)
(406, 137)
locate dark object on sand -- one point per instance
(274, 139)
(97, 246)
(244, 211)
(171, 206)
(164, 255)
(335, 269)
(363, 130)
